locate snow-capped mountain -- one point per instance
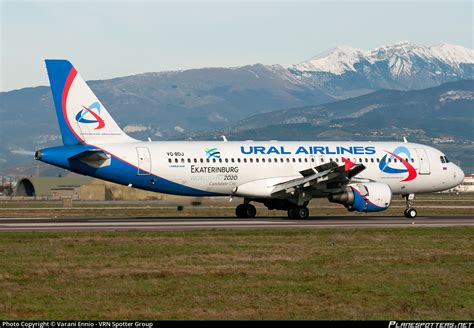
(336, 60)
(401, 66)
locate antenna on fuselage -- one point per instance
(225, 139)
(405, 140)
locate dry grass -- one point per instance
(420, 273)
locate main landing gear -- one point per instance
(298, 213)
(409, 211)
(245, 211)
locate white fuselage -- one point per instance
(254, 166)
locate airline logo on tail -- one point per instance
(384, 167)
(89, 115)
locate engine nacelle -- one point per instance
(364, 197)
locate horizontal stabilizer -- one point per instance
(92, 157)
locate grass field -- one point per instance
(411, 273)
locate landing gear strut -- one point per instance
(245, 211)
(409, 211)
(298, 213)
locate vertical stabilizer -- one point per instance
(82, 117)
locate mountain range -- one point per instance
(180, 104)
(345, 71)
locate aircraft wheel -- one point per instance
(250, 211)
(410, 213)
(240, 211)
(292, 213)
(245, 211)
(303, 212)
(298, 213)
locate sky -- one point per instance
(107, 39)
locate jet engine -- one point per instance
(364, 197)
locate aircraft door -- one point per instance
(424, 161)
(144, 161)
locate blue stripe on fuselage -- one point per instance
(118, 171)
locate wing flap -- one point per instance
(324, 176)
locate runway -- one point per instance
(168, 223)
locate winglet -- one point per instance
(347, 164)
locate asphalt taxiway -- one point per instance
(168, 223)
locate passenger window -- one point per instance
(360, 160)
(299, 160)
(245, 160)
(208, 160)
(182, 160)
(189, 160)
(394, 160)
(372, 160)
(201, 160)
(176, 160)
(220, 160)
(366, 160)
(227, 160)
(256, 160)
(169, 160)
(195, 160)
(306, 160)
(390, 160)
(287, 160)
(213, 160)
(263, 160)
(238, 160)
(378, 160)
(412, 160)
(442, 159)
(251, 160)
(294, 160)
(232, 160)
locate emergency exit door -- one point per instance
(144, 161)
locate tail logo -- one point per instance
(213, 153)
(89, 115)
(384, 167)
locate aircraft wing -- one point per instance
(323, 177)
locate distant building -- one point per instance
(51, 187)
(81, 188)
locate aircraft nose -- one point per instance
(458, 175)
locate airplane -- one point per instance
(286, 175)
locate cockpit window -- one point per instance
(446, 159)
(442, 159)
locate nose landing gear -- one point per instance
(409, 212)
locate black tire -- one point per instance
(240, 211)
(292, 214)
(302, 212)
(250, 211)
(411, 213)
(298, 213)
